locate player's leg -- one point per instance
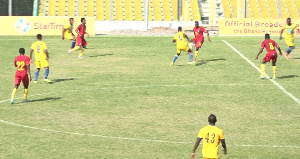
(13, 94)
(73, 42)
(263, 69)
(79, 44)
(274, 60)
(38, 67)
(176, 56)
(190, 53)
(45, 65)
(82, 51)
(198, 45)
(288, 51)
(25, 83)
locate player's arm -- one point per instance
(47, 54)
(195, 147)
(224, 146)
(28, 72)
(63, 33)
(186, 36)
(260, 51)
(281, 33)
(206, 31)
(174, 40)
(88, 35)
(31, 51)
(279, 49)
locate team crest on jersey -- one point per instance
(23, 25)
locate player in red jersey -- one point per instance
(271, 55)
(22, 63)
(81, 30)
(199, 38)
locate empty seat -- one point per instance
(100, 10)
(71, 7)
(52, 8)
(90, 9)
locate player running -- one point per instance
(81, 30)
(22, 62)
(67, 32)
(289, 36)
(211, 135)
(199, 38)
(181, 45)
(272, 54)
(41, 58)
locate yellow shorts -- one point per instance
(69, 36)
(289, 42)
(182, 48)
(41, 64)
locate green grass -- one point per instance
(124, 87)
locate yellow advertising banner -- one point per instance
(28, 25)
(246, 27)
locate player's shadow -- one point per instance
(100, 55)
(45, 99)
(296, 58)
(207, 61)
(289, 76)
(62, 80)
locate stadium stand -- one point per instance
(131, 10)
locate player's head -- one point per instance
(83, 20)
(22, 51)
(71, 20)
(267, 36)
(39, 36)
(179, 29)
(212, 119)
(288, 21)
(196, 24)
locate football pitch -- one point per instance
(123, 100)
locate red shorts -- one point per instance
(81, 41)
(270, 56)
(198, 42)
(21, 77)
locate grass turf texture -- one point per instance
(124, 87)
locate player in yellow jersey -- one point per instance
(67, 32)
(211, 136)
(290, 29)
(181, 45)
(41, 57)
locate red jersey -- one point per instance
(198, 32)
(269, 45)
(81, 29)
(21, 62)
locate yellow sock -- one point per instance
(25, 93)
(196, 54)
(81, 52)
(274, 71)
(75, 48)
(262, 70)
(14, 93)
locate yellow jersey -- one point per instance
(69, 29)
(289, 31)
(39, 48)
(211, 136)
(180, 39)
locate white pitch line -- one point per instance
(134, 139)
(273, 81)
(146, 86)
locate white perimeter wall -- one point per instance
(105, 26)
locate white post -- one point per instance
(111, 10)
(44, 8)
(279, 9)
(10, 8)
(77, 8)
(146, 13)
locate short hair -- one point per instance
(267, 36)
(71, 18)
(288, 18)
(82, 19)
(39, 36)
(179, 28)
(22, 51)
(212, 118)
(197, 22)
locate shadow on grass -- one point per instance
(45, 99)
(100, 55)
(289, 76)
(296, 58)
(207, 61)
(62, 80)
